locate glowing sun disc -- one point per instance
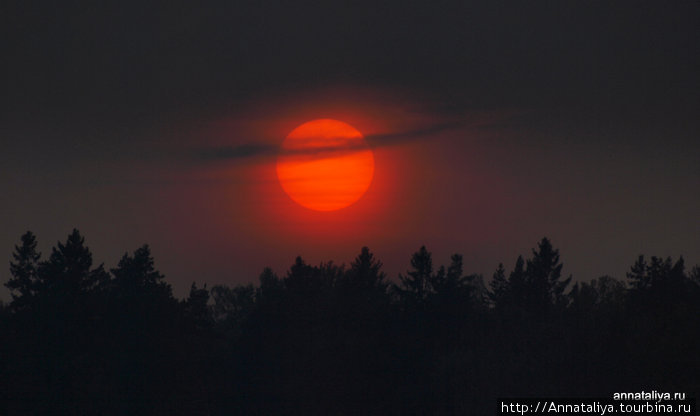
(325, 165)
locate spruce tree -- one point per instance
(24, 280)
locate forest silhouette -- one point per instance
(79, 339)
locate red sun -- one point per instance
(325, 165)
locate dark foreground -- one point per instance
(81, 340)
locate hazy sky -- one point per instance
(493, 125)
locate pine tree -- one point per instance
(68, 273)
(300, 276)
(543, 276)
(196, 306)
(511, 291)
(637, 276)
(136, 276)
(499, 286)
(454, 272)
(24, 280)
(659, 273)
(452, 287)
(270, 288)
(417, 284)
(365, 273)
(695, 275)
(517, 284)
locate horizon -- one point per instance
(392, 276)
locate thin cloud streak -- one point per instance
(252, 150)
(244, 151)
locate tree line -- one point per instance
(79, 339)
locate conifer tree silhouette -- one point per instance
(68, 272)
(365, 273)
(417, 284)
(136, 275)
(543, 277)
(24, 280)
(196, 306)
(499, 287)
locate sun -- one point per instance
(325, 165)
